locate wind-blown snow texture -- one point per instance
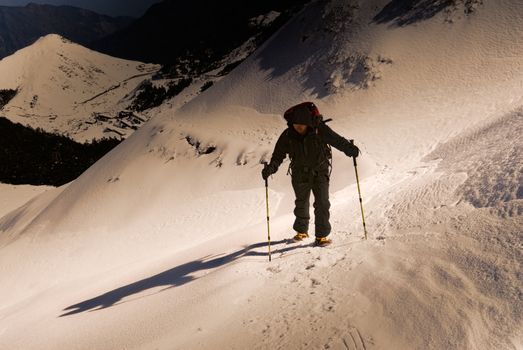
(161, 244)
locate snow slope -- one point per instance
(162, 243)
(61, 85)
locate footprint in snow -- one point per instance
(274, 269)
(315, 282)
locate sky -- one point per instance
(134, 8)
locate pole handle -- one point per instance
(265, 164)
(353, 158)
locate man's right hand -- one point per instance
(354, 151)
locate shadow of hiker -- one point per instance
(171, 278)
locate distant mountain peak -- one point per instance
(53, 39)
(65, 87)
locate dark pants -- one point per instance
(303, 184)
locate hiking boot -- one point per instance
(300, 236)
(322, 241)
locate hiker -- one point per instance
(307, 141)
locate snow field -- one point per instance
(170, 239)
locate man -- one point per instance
(307, 141)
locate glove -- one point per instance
(353, 151)
(267, 171)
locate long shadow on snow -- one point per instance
(171, 278)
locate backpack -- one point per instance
(308, 114)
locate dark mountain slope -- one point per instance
(200, 30)
(21, 26)
(36, 157)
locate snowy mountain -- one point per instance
(162, 243)
(72, 90)
(107, 107)
(23, 25)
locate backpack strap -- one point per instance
(328, 156)
(289, 171)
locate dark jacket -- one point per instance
(309, 152)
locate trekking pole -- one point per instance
(359, 192)
(267, 203)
